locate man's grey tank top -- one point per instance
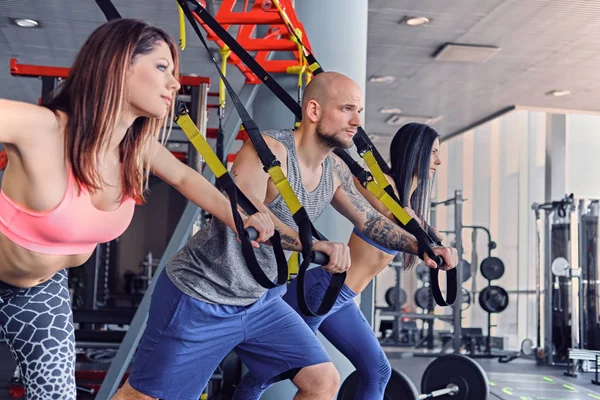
(211, 266)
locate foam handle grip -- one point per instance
(439, 261)
(252, 233)
(320, 258)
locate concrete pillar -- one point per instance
(337, 30)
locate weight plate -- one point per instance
(492, 268)
(459, 370)
(493, 299)
(390, 296)
(466, 299)
(527, 347)
(398, 388)
(423, 297)
(423, 273)
(560, 267)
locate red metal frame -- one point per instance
(263, 12)
(211, 133)
(29, 70)
(62, 72)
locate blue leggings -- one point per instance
(347, 329)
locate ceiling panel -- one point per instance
(545, 45)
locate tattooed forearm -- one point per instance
(368, 220)
(290, 242)
(387, 234)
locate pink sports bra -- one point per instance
(75, 226)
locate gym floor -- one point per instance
(518, 379)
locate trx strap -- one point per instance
(375, 162)
(364, 177)
(182, 36)
(108, 9)
(226, 183)
(225, 53)
(272, 166)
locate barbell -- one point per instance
(450, 376)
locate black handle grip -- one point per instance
(320, 258)
(252, 233)
(439, 260)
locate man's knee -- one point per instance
(129, 393)
(321, 379)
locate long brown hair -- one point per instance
(94, 96)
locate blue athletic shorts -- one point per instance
(185, 340)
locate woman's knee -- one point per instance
(376, 368)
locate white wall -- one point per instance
(583, 155)
(499, 166)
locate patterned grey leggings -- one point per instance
(38, 325)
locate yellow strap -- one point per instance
(293, 264)
(375, 169)
(387, 201)
(282, 12)
(195, 137)
(182, 39)
(313, 67)
(225, 53)
(283, 185)
(307, 77)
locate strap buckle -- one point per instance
(273, 163)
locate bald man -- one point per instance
(207, 303)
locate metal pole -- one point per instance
(433, 217)
(457, 307)
(547, 271)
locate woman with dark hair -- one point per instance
(76, 168)
(414, 153)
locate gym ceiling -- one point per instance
(532, 48)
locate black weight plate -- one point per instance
(398, 388)
(492, 268)
(423, 296)
(423, 273)
(466, 270)
(459, 370)
(493, 299)
(390, 296)
(466, 299)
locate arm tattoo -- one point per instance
(290, 242)
(347, 184)
(376, 226)
(387, 234)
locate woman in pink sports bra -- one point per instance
(76, 168)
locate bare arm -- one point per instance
(375, 225)
(374, 201)
(379, 228)
(199, 190)
(21, 124)
(252, 180)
